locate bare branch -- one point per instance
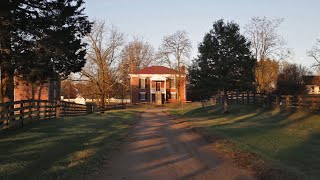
(103, 59)
(175, 49)
(315, 53)
(265, 40)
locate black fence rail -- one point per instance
(284, 102)
(20, 112)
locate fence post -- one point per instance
(8, 114)
(21, 113)
(58, 109)
(287, 103)
(248, 98)
(30, 109)
(277, 101)
(237, 95)
(214, 100)
(38, 109)
(299, 103)
(242, 98)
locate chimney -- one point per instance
(132, 68)
(183, 69)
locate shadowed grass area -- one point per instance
(290, 140)
(66, 148)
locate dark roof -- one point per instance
(156, 70)
(311, 80)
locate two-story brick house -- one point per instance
(157, 84)
(46, 91)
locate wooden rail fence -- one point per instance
(284, 102)
(20, 112)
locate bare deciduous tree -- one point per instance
(174, 51)
(315, 54)
(135, 55)
(266, 43)
(103, 60)
(265, 39)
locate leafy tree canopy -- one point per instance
(225, 62)
(43, 38)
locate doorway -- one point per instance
(158, 98)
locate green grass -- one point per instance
(290, 140)
(66, 148)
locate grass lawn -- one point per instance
(288, 140)
(68, 148)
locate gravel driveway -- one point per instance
(160, 147)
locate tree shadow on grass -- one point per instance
(61, 148)
(289, 138)
(305, 156)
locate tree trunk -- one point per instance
(6, 66)
(225, 102)
(33, 91)
(40, 91)
(102, 103)
(7, 85)
(7, 88)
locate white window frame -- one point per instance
(142, 96)
(142, 83)
(312, 89)
(173, 93)
(173, 82)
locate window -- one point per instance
(142, 96)
(173, 83)
(173, 95)
(158, 84)
(312, 90)
(142, 83)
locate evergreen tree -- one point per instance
(225, 62)
(40, 40)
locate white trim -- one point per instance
(174, 83)
(165, 90)
(158, 78)
(150, 88)
(142, 82)
(173, 93)
(152, 75)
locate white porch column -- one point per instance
(165, 91)
(150, 90)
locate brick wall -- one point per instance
(136, 89)
(46, 91)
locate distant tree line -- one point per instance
(110, 60)
(256, 61)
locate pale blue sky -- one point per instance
(151, 19)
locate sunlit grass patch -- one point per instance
(288, 139)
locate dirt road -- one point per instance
(164, 149)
